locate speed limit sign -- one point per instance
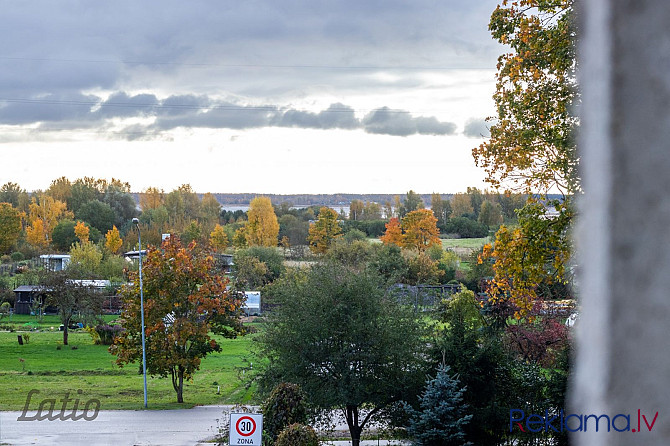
(246, 428)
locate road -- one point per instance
(182, 427)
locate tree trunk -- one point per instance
(352, 422)
(180, 386)
(65, 335)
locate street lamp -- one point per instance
(136, 222)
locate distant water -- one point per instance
(245, 207)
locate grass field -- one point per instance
(90, 368)
(466, 243)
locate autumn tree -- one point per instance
(420, 230)
(10, 227)
(532, 139)
(209, 209)
(43, 217)
(461, 205)
(441, 208)
(532, 145)
(185, 302)
(393, 234)
(372, 211)
(151, 198)
(60, 189)
(82, 231)
(113, 241)
(87, 257)
(262, 227)
(324, 231)
(218, 238)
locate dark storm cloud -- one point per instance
(476, 128)
(401, 123)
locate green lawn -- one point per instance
(469, 243)
(91, 369)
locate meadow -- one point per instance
(54, 369)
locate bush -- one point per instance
(284, 406)
(17, 256)
(297, 435)
(107, 333)
(465, 227)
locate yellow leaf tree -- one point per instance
(218, 238)
(420, 229)
(263, 227)
(82, 231)
(43, 217)
(393, 234)
(151, 198)
(324, 231)
(113, 241)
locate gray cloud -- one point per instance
(401, 123)
(476, 128)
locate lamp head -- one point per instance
(136, 221)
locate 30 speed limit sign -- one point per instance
(246, 428)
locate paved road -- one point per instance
(187, 427)
(183, 427)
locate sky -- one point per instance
(267, 96)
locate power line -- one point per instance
(223, 65)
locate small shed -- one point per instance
(55, 262)
(27, 295)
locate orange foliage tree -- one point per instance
(185, 301)
(420, 228)
(393, 234)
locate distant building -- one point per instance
(252, 307)
(55, 262)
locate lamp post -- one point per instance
(136, 222)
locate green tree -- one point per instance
(10, 227)
(441, 208)
(87, 257)
(98, 214)
(13, 194)
(121, 202)
(346, 340)
(185, 303)
(442, 416)
(411, 203)
(490, 214)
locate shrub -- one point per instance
(465, 227)
(297, 435)
(284, 406)
(17, 256)
(107, 333)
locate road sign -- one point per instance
(246, 429)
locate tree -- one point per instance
(490, 214)
(11, 193)
(355, 210)
(461, 205)
(122, 203)
(442, 416)
(113, 241)
(218, 238)
(184, 302)
(87, 257)
(99, 215)
(43, 217)
(532, 139)
(82, 231)
(209, 209)
(324, 231)
(84, 190)
(441, 208)
(346, 339)
(284, 406)
(151, 198)
(412, 202)
(262, 227)
(71, 296)
(60, 189)
(393, 234)
(294, 229)
(10, 227)
(420, 228)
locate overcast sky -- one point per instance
(273, 96)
